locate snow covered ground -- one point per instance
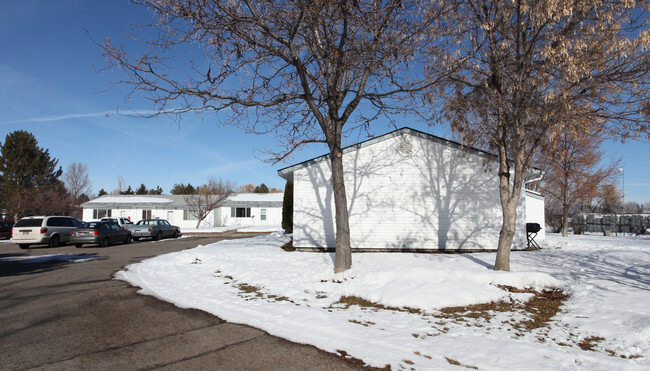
(261, 228)
(604, 325)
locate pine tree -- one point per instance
(287, 208)
(157, 191)
(262, 188)
(26, 171)
(129, 191)
(142, 190)
(182, 189)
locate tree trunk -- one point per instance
(508, 228)
(565, 202)
(565, 220)
(509, 201)
(343, 260)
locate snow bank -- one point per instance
(296, 295)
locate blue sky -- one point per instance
(50, 87)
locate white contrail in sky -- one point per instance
(80, 115)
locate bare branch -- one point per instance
(208, 197)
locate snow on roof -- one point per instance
(131, 199)
(256, 197)
(235, 200)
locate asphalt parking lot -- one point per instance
(68, 313)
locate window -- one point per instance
(262, 214)
(29, 222)
(146, 214)
(56, 222)
(240, 212)
(188, 215)
(101, 213)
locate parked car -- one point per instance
(103, 233)
(154, 228)
(43, 230)
(5, 229)
(121, 221)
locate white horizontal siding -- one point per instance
(216, 218)
(403, 192)
(273, 217)
(535, 212)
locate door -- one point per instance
(170, 216)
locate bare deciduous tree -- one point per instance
(208, 197)
(611, 199)
(575, 172)
(306, 71)
(248, 188)
(55, 202)
(76, 180)
(121, 186)
(530, 69)
(633, 208)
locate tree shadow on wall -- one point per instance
(458, 201)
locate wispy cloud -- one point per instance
(69, 116)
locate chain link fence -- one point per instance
(610, 223)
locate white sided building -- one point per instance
(243, 209)
(406, 191)
(535, 212)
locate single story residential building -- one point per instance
(243, 209)
(407, 191)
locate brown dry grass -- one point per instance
(541, 308)
(456, 363)
(589, 343)
(349, 301)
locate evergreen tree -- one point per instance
(142, 190)
(262, 188)
(102, 192)
(26, 171)
(182, 189)
(82, 198)
(157, 191)
(129, 191)
(287, 208)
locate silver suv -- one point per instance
(43, 230)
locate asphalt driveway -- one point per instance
(68, 313)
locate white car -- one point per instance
(43, 230)
(121, 221)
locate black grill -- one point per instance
(533, 227)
